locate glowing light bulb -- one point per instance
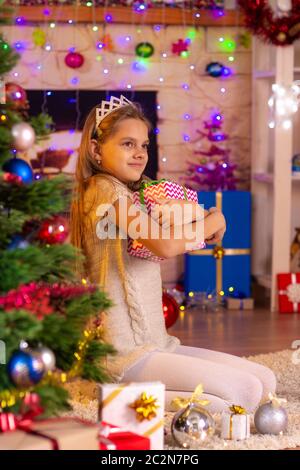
(287, 124)
(52, 25)
(95, 28)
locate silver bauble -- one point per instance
(47, 356)
(192, 425)
(23, 136)
(270, 419)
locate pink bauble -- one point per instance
(74, 60)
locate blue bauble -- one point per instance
(25, 369)
(19, 167)
(18, 241)
(214, 69)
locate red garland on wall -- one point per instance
(279, 30)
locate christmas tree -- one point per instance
(210, 168)
(50, 323)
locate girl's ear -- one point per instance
(95, 150)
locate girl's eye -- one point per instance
(128, 144)
(146, 146)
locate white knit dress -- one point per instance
(135, 324)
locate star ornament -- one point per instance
(145, 407)
(180, 46)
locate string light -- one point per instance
(105, 71)
(108, 18)
(52, 25)
(185, 86)
(283, 103)
(95, 28)
(74, 80)
(222, 90)
(120, 61)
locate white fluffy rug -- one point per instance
(288, 377)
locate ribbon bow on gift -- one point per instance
(23, 422)
(179, 403)
(237, 410)
(145, 407)
(277, 402)
(146, 184)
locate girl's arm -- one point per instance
(164, 243)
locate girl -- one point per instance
(112, 158)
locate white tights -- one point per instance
(226, 379)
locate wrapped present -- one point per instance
(144, 198)
(49, 434)
(135, 248)
(289, 292)
(236, 424)
(114, 438)
(138, 407)
(239, 304)
(225, 265)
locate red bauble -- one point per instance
(74, 60)
(53, 231)
(170, 309)
(15, 95)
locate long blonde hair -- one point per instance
(87, 166)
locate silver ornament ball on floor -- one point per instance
(192, 425)
(270, 419)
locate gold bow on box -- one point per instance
(179, 403)
(219, 251)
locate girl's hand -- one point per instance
(218, 236)
(168, 212)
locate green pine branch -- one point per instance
(51, 264)
(40, 199)
(11, 223)
(8, 57)
(43, 125)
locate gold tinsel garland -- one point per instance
(9, 398)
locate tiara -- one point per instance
(108, 107)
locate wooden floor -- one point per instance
(238, 332)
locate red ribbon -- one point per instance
(30, 410)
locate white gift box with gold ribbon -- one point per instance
(138, 406)
(235, 425)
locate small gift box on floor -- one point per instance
(114, 438)
(51, 434)
(289, 292)
(137, 407)
(145, 198)
(236, 424)
(239, 304)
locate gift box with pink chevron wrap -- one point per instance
(145, 197)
